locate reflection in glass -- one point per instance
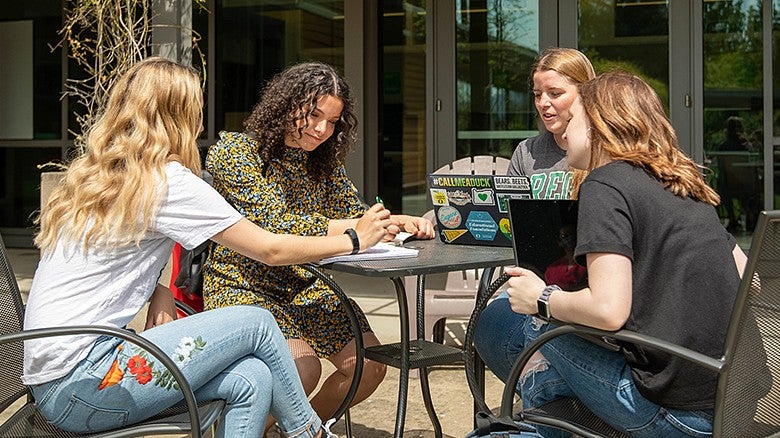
(497, 42)
(256, 39)
(402, 118)
(733, 108)
(776, 93)
(631, 36)
(30, 94)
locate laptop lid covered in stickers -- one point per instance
(473, 209)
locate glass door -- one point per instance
(628, 35)
(715, 89)
(402, 106)
(496, 44)
(733, 108)
(772, 118)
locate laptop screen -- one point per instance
(543, 230)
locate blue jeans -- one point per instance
(575, 367)
(236, 354)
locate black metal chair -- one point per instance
(747, 403)
(191, 273)
(22, 418)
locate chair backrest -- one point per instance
(11, 321)
(748, 398)
(476, 165)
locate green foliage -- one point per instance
(602, 65)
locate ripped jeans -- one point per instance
(575, 367)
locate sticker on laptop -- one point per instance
(481, 225)
(459, 197)
(450, 235)
(503, 200)
(449, 217)
(505, 228)
(512, 183)
(460, 181)
(483, 197)
(439, 197)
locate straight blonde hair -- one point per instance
(628, 122)
(111, 194)
(569, 63)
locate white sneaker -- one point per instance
(326, 433)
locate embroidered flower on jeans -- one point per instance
(187, 346)
(112, 377)
(143, 369)
(135, 363)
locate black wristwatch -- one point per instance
(355, 242)
(542, 305)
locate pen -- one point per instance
(379, 200)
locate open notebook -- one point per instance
(380, 251)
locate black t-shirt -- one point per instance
(684, 280)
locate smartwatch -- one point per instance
(542, 305)
(355, 242)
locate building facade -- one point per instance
(435, 80)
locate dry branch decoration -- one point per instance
(104, 38)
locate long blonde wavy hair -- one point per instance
(628, 122)
(110, 195)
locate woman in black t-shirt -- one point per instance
(659, 262)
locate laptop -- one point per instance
(474, 209)
(536, 225)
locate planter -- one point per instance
(49, 181)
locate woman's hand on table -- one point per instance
(372, 226)
(524, 290)
(393, 229)
(419, 227)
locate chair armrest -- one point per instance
(185, 309)
(355, 323)
(487, 290)
(507, 398)
(184, 386)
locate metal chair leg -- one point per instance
(438, 330)
(347, 424)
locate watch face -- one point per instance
(544, 310)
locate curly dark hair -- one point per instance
(292, 95)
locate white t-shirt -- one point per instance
(110, 286)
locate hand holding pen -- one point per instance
(395, 225)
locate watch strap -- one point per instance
(542, 304)
(355, 241)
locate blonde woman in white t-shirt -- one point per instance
(107, 232)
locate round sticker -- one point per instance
(449, 217)
(503, 225)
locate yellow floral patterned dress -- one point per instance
(283, 199)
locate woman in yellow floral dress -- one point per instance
(286, 174)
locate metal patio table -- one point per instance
(434, 257)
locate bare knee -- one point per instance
(373, 374)
(535, 364)
(307, 363)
